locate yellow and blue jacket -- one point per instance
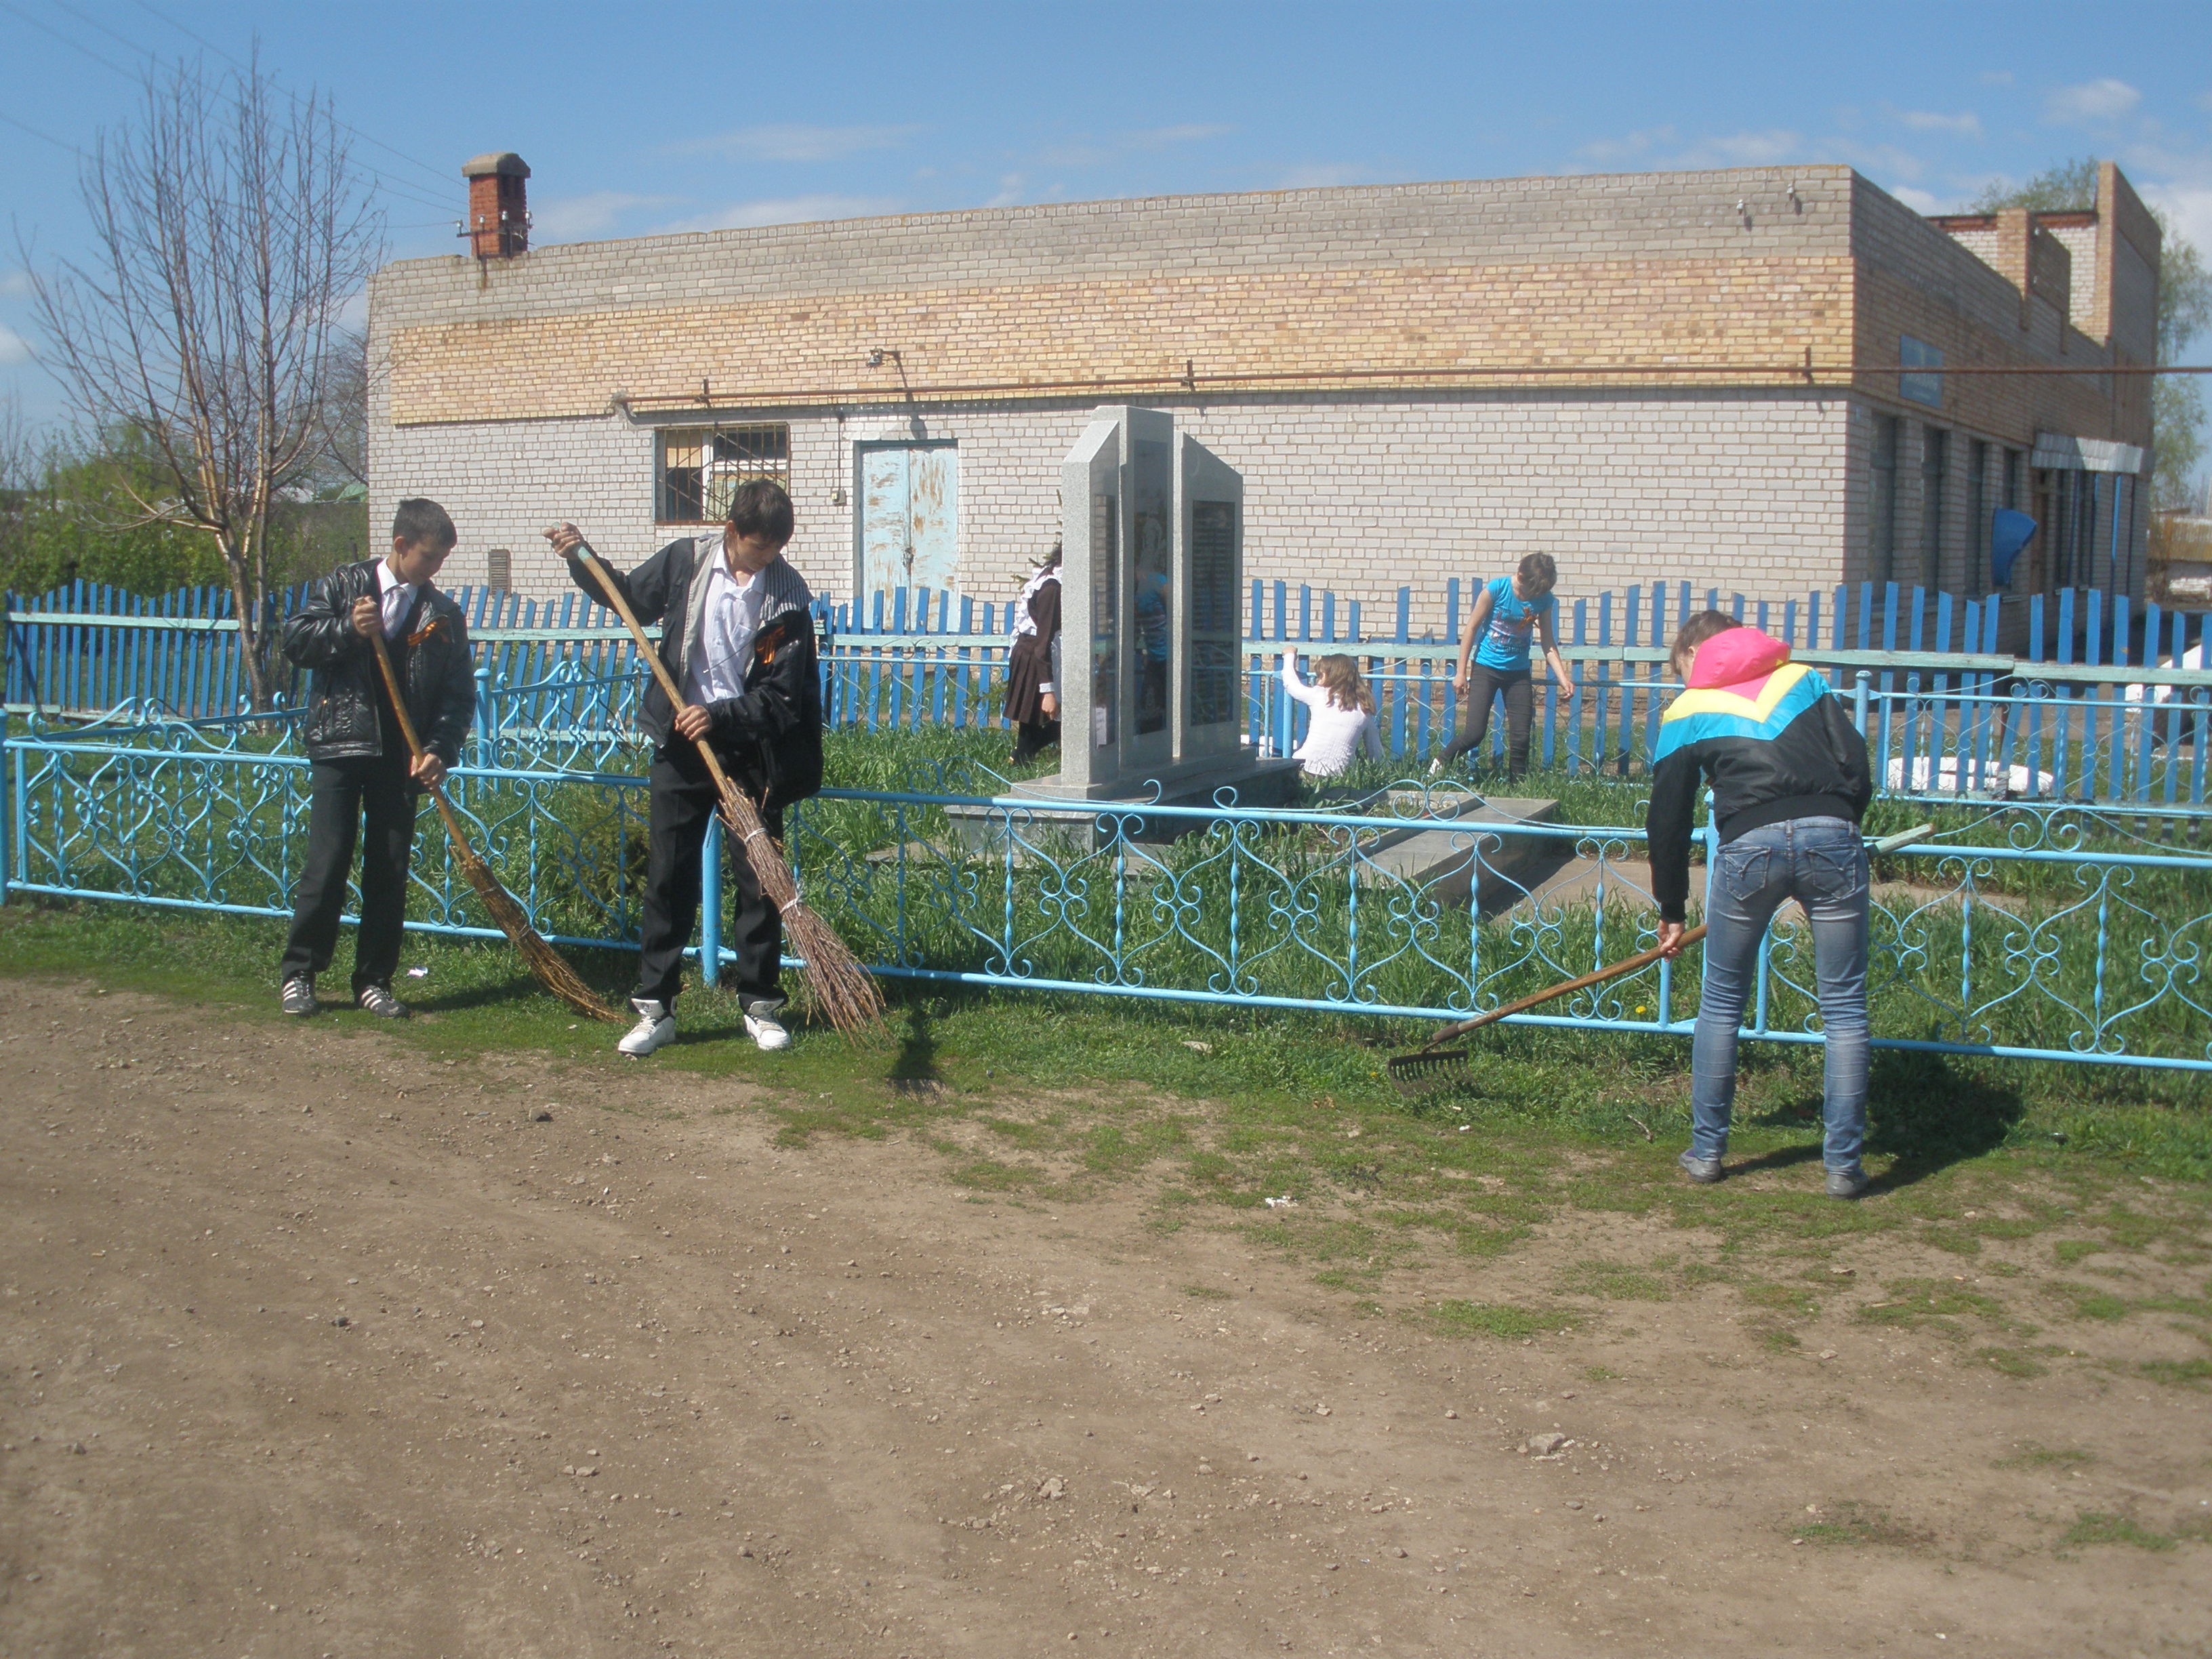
(1774, 738)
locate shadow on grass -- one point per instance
(1928, 1114)
(913, 1069)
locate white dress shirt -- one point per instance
(395, 597)
(726, 641)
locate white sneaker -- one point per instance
(655, 1026)
(766, 1030)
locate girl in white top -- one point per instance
(1343, 718)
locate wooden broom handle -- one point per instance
(1611, 970)
(407, 731)
(605, 578)
(391, 690)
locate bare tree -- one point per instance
(229, 230)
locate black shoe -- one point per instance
(297, 996)
(378, 1001)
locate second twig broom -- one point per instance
(546, 965)
(846, 990)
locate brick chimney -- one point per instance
(499, 217)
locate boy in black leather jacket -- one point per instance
(737, 638)
(361, 768)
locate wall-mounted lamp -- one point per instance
(875, 357)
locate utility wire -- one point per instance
(56, 142)
(435, 172)
(406, 190)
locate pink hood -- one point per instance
(1737, 657)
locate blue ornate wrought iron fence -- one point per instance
(2090, 699)
(2047, 934)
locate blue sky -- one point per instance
(678, 115)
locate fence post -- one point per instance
(487, 722)
(1859, 700)
(710, 905)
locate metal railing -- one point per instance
(2093, 700)
(2045, 933)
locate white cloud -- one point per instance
(571, 217)
(1321, 176)
(1743, 150)
(1883, 162)
(1099, 152)
(792, 142)
(789, 210)
(14, 347)
(1967, 125)
(2187, 207)
(15, 283)
(1920, 201)
(1010, 191)
(2105, 100)
(1659, 147)
(1604, 151)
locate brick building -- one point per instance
(1650, 376)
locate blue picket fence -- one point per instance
(2095, 699)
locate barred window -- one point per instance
(700, 468)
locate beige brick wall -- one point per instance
(495, 385)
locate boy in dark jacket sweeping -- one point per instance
(736, 637)
(361, 770)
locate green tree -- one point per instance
(2184, 309)
(77, 515)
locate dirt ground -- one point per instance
(311, 1347)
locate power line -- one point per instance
(74, 45)
(435, 172)
(406, 190)
(56, 142)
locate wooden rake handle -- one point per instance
(1611, 970)
(407, 730)
(608, 585)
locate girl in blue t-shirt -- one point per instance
(1509, 613)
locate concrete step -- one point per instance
(1455, 859)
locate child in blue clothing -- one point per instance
(1509, 613)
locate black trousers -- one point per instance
(1483, 685)
(683, 802)
(345, 793)
(1032, 738)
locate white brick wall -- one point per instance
(1359, 494)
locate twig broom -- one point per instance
(846, 990)
(546, 965)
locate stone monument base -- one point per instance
(1075, 812)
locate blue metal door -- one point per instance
(909, 508)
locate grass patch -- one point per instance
(1914, 1303)
(1781, 1298)
(2085, 1302)
(1600, 1374)
(2012, 1362)
(1499, 1319)
(2098, 1527)
(1615, 1282)
(2032, 1455)
(2180, 1373)
(1856, 1523)
(1206, 1292)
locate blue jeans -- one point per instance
(1822, 864)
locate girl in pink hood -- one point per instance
(1791, 782)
